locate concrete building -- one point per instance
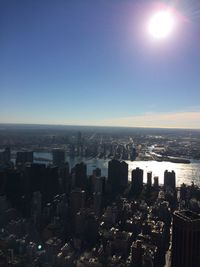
(23, 157)
(169, 180)
(137, 181)
(186, 239)
(58, 156)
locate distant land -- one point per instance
(7, 126)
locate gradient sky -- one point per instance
(92, 62)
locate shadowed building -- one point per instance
(114, 176)
(117, 175)
(169, 180)
(186, 239)
(5, 155)
(64, 173)
(35, 176)
(156, 182)
(80, 175)
(137, 181)
(43, 179)
(97, 172)
(51, 183)
(13, 188)
(124, 174)
(77, 200)
(58, 156)
(23, 157)
(149, 179)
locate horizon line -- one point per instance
(105, 126)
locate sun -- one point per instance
(161, 24)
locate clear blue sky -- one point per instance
(92, 62)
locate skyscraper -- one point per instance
(64, 174)
(186, 239)
(124, 174)
(42, 178)
(156, 182)
(51, 182)
(137, 181)
(5, 155)
(24, 157)
(35, 177)
(97, 172)
(149, 179)
(117, 175)
(80, 175)
(170, 180)
(58, 156)
(13, 188)
(77, 200)
(114, 175)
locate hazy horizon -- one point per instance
(90, 126)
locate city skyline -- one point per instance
(86, 63)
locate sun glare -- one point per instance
(161, 24)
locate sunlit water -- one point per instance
(185, 173)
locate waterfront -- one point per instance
(185, 173)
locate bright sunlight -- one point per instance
(161, 24)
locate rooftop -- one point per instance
(188, 215)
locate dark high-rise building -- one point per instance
(124, 174)
(58, 156)
(156, 182)
(169, 180)
(114, 173)
(186, 239)
(24, 157)
(5, 155)
(43, 179)
(64, 174)
(77, 200)
(137, 181)
(149, 179)
(51, 183)
(80, 175)
(2, 181)
(117, 175)
(99, 185)
(136, 253)
(183, 192)
(97, 172)
(35, 177)
(13, 187)
(72, 150)
(133, 153)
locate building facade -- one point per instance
(186, 239)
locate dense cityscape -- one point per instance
(105, 142)
(99, 133)
(54, 214)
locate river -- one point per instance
(185, 173)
